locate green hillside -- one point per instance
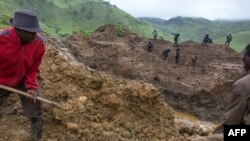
(62, 17)
(195, 29)
(239, 42)
(189, 28)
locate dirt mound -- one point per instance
(121, 106)
(95, 105)
(112, 32)
(193, 91)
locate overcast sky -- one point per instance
(165, 9)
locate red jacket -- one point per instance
(20, 63)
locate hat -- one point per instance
(26, 20)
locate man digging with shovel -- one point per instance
(21, 53)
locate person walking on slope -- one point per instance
(194, 59)
(238, 111)
(177, 56)
(21, 53)
(176, 36)
(229, 39)
(165, 53)
(205, 40)
(150, 46)
(155, 34)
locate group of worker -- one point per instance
(166, 51)
(237, 111)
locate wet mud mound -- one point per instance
(95, 106)
(194, 90)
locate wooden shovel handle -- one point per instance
(28, 95)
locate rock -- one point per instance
(216, 137)
(73, 127)
(126, 134)
(82, 99)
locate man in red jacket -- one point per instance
(21, 53)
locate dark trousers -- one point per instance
(176, 44)
(227, 43)
(177, 59)
(155, 37)
(149, 49)
(30, 109)
(204, 44)
(194, 64)
(165, 57)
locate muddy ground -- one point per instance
(95, 106)
(111, 88)
(205, 89)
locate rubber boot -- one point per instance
(36, 129)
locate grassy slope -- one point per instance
(62, 17)
(195, 28)
(5, 12)
(239, 42)
(189, 28)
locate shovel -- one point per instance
(30, 96)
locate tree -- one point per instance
(107, 17)
(90, 15)
(83, 8)
(20, 2)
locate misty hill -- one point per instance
(195, 29)
(62, 17)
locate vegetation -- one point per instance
(119, 30)
(62, 17)
(4, 21)
(239, 42)
(195, 29)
